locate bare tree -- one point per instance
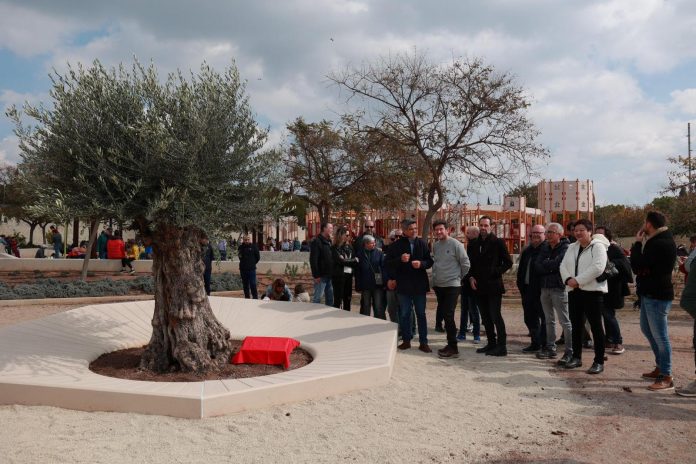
(331, 167)
(462, 120)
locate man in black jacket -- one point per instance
(249, 256)
(652, 258)
(321, 263)
(489, 261)
(529, 285)
(407, 261)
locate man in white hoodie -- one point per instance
(584, 261)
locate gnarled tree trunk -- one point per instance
(186, 335)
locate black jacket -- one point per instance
(489, 261)
(618, 285)
(366, 269)
(248, 256)
(653, 263)
(528, 258)
(548, 264)
(321, 257)
(409, 281)
(342, 257)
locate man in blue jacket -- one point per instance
(407, 260)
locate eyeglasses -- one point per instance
(369, 227)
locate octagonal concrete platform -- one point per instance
(45, 361)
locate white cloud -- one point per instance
(684, 100)
(28, 32)
(578, 61)
(9, 150)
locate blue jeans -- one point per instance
(653, 324)
(405, 304)
(249, 284)
(469, 312)
(324, 286)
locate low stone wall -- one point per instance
(144, 266)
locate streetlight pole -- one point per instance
(691, 187)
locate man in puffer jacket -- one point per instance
(584, 261)
(652, 258)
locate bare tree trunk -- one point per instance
(76, 232)
(186, 336)
(90, 248)
(435, 202)
(32, 227)
(43, 232)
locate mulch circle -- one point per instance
(124, 364)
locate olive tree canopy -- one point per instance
(178, 157)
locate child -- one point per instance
(300, 295)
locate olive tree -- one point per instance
(462, 120)
(179, 156)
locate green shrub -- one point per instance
(51, 288)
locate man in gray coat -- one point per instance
(451, 264)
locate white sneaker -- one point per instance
(689, 390)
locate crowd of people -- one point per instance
(578, 278)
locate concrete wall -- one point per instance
(144, 266)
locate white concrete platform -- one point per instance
(46, 361)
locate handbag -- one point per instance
(609, 271)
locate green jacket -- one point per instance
(688, 298)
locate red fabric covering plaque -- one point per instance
(266, 350)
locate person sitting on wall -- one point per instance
(77, 252)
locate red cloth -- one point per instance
(266, 350)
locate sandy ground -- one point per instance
(472, 409)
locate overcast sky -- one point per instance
(613, 83)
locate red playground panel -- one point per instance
(266, 350)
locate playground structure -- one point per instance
(566, 200)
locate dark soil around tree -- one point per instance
(124, 364)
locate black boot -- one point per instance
(499, 350)
(485, 349)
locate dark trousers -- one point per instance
(249, 284)
(694, 341)
(490, 307)
(611, 326)
(446, 305)
(470, 311)
(587, 305)
(343, 291)
(373, 298)
(534, 317)
(206, 282)
(127, 262)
